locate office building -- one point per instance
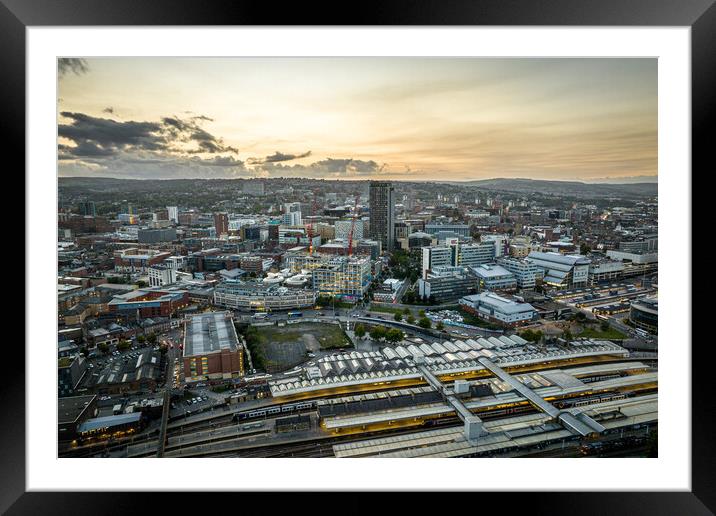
(526, 273)
(644, 314)
(446, 284)
(88, 208)
(382, 214)
(138, 260)
(562, 271)
(494, 277)
(221, 223)
(155, 236)
(342, 277)
(292, 214)
(161, 275)
(173, 213)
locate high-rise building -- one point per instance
(221, 223)
(292, 214)
(382, 214)
(173, 213)
(88, 208)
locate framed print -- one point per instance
(427, 236)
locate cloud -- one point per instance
(76, 66)
(95, 136)
(330, 167)
(109, 110)
(278, 157)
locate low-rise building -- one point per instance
(494, 277)
(499, 309)
(252, 297)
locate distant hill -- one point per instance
(566, 188)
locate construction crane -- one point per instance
(353, 225)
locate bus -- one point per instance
(260, 315)
(294, 315)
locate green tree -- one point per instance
(124, 344)
(440, 326)
(378, 332)
(394, 335)
(103, 347)
(141, 284)
(398, 317)
(360, 331)
(406, 311)
(410, 319)
(141, 339)
(604, 326)
(567, 335)
(424, 322)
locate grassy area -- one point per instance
(386, 309)
(596, 333)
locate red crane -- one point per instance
(353, 226)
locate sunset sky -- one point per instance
(395, 118)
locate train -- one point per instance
(581, 402)
(280, 409)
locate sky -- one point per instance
(416, 119)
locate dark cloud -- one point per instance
(94, 136)
(76, 66)
(277, 157)
(109, 110)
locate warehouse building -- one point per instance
(211, 347)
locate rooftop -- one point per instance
(209, 333)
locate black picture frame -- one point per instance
(700, 15)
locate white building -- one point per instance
(160, 276)
(562, 270)
(499, 309)
(342, 276)
(526, 273)
(173, 213)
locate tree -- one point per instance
(103, 347)
(532, 335)
(421, 313)
(584, 248)
(567, 335)
(440, 326)
(378, 332)
(424, 322)
(141, 339)
(124, 344)
(604, 326)
(141, 284)
(152, 338)
(394, 335)
(83, 351)
(398, 317)
(360, 331)
(410, 319)
(406, 311)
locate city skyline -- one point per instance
(400, 119)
